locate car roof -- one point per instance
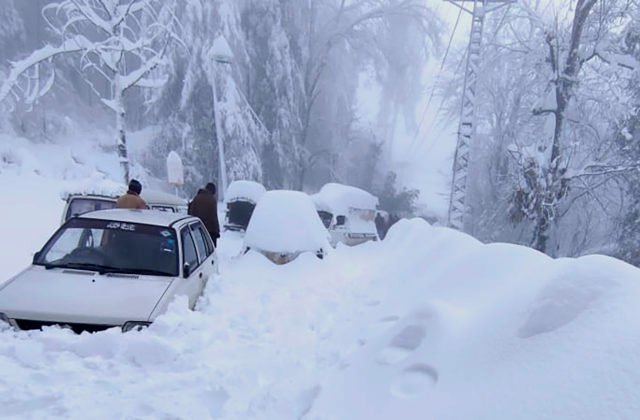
(146, 217)
(152, 197)
(160, 197)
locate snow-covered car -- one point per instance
(84, 202)
(348, 213)
(284, 225)
(111, 268)
(241, 198)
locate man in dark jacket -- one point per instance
(205, 206)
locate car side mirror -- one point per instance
(340, 220)
(36, 257)
(186, 270)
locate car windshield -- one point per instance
(326, 218)
(112, 247)
(79, 206)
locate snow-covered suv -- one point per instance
(111, 268)
(284, 225)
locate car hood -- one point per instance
(61, 295)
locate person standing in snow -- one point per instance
(393, 219)
(205, 207)
(132, 199)
(380, 225)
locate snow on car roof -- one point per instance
(286, 221)
(114, 190)
(96, 187)
(244, 189)
(160, 197)
(339, 198)
(147, 217)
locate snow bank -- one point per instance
(340, 198)
(462, 330)
(245, 190)
(286, 221)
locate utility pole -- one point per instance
(467, 124)
(220, 53)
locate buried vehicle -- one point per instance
(284, 225)
(241, 198)
(83, 202)
(348, 213)
(111, 268)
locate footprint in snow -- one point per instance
(379, 327)
(402, 345)
(414, 381)
(564, 300)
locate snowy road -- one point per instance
(253, 350)
(403, 329)
(428, 324)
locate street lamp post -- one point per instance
(175, 170)
(220, 53)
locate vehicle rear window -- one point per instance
(80, 206)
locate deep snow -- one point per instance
(427, 324)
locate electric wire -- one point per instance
(433, 89)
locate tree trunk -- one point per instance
(565, 76)
(120, 128)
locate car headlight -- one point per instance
(281, 258)
(134, 325)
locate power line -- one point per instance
(433, 89)
(462, 59)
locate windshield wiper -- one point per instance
(103, 269)
(81, 266)
(145, 272)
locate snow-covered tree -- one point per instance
(627, 143)
(11, 29)
(185, 110)
(119, 45)
(549, 91)
(275, 35)
(345, 38)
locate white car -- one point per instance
(111, 268)
(284, 225)
(82, 202)
(348, 213)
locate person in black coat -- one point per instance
(205, 207)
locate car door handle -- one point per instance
(200, 275)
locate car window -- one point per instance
(326, 218)
(112, 246)
(79, 206)
(167, 209)
(203, 241)
(189, 248)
